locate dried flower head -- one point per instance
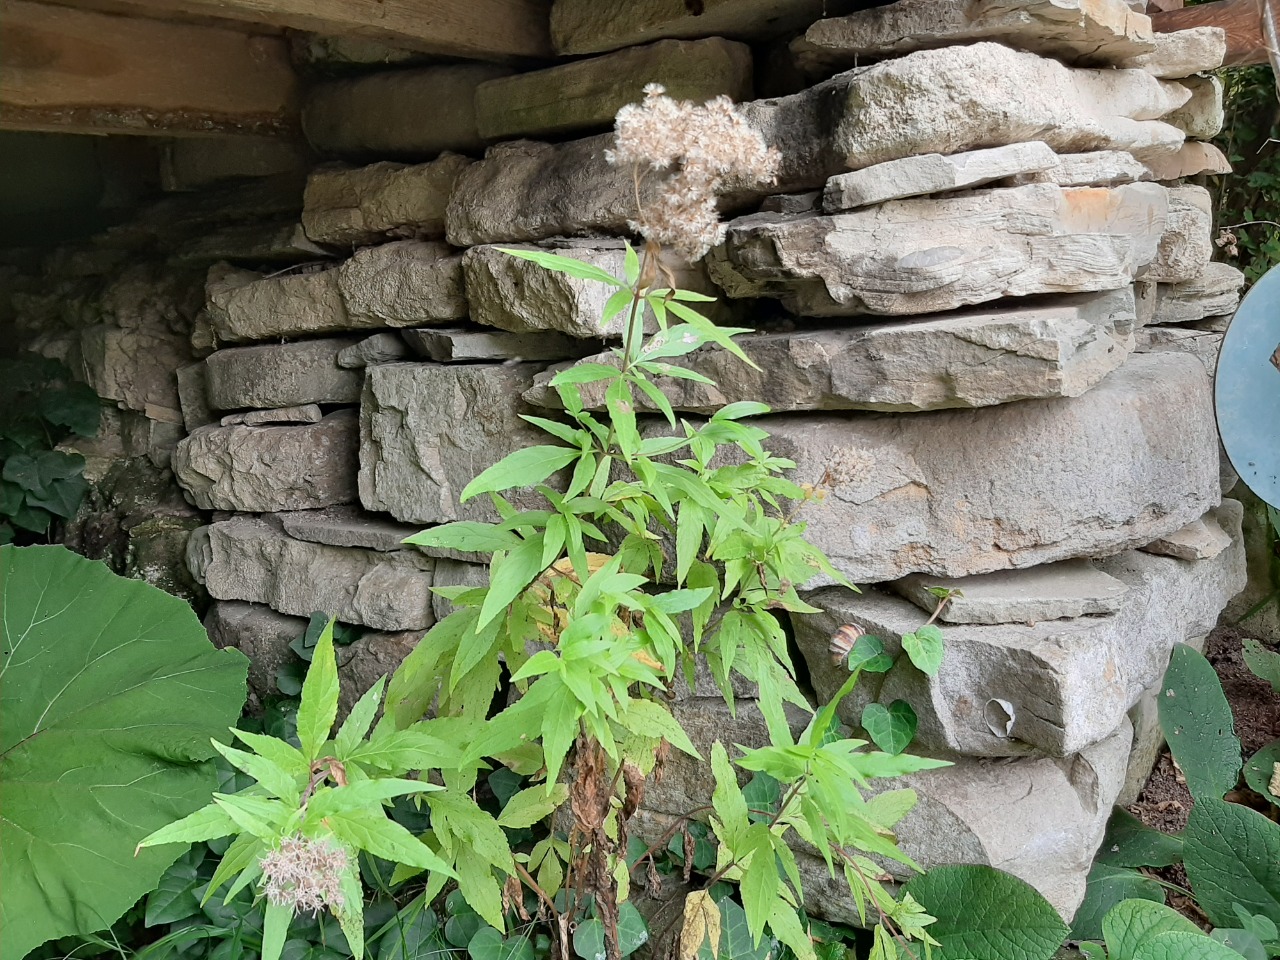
(306, 873)
(702, 147)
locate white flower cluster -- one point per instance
(701, 146)
(306, 874)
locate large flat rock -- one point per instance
(253, 559)
(1053, 687)
(247, 305)
(1040, 819)
(928, 255)
(413, 113)
(403, 284)
(396, 201)
(427, 429)
(972, 359)
(281, 375)
(964, 98)
(255, 469)
(1214, 293)
(1103, 32)
(586, 94)
(1182, 53)
(592, 26)
(954, 493)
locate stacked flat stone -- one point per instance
(988, 324)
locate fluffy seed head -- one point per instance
(306, 873)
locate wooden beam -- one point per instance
(1243, 20)
(498, 30)
(78, 71)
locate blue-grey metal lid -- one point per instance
(1247, 389)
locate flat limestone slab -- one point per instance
(1202, 116)
(1204, 345)
(1201, 539)
(973, 359)
(1182, 53)
(247, 305)
(933, 173)
(929, 255)
(264, 468)
(592, 26)
(1051, 591)
(1054, 687)
(586, 94)
(306, 413)
(193, 396)
(413, 113)
(281, 375)
(958, 492)
(1098, 168)
(1215, 292)
(1195, 157)
(350, 526)
(964, 98)
(379, 348)
(427, 429)
(1102, 32)
(403, 284)
(383, 201)
(252, 559)
(460, 345)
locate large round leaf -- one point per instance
(109, 694)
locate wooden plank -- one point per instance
(498, 30)
(1241, 19)
(79, 71)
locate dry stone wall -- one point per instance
(987, 321)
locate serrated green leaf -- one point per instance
(468, 535)
(585, 372)
(509, 575)
(386, 839)
(363, 794)
(566, 265)
(359, 720)
(654, 720)
(531, 806)
(319, 706)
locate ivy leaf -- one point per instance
(1196, 721)
(868, 655)
(924, 647)
(982, 912)
(1232, 856)
(892, 728)
(319, 706)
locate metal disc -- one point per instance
(1247, 389)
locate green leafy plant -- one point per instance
(109, 693)
(1246, 199)
(1143, 930)
(40, 405)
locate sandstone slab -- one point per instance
(592, 26)
(928, 255)
(933, 173)
(1103, 32)
(255, 469)
(1215, 292)
(246, 305)
(1186, 246)
(954, 493)
(306, 413)
(386, 114)
(1055, 687)
(281, 375)
(586, 94)
(402, 284)
(380, 348)
(1202, 116)
(1098, 168)
(347, 526)
(973, 359)
(382, 201)
(1182, 53)
(251, 559)
(428, 429)
(963, 98)
(1201, 539)
(460, 345)
(1195, 157)
(520, 296)
(1051, 591)
(1204, 345)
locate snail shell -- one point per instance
(842, 642)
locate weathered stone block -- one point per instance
(380, 348)
(455, 573)
(1204, 345)
(514, 294)
(1195, 157)
(1099, 168)
(933, 173)
(134, 366)
(256, 469)
(1100, 32)
(414, 113)
(245, 305)
(1051, 591)
(193, 396)
(381, 201)
(1182, 53)
(1201, 539)
(963, 98)
(929, 255)
(347, 527)
(592, 26)
(306, 413)
(428, 429)
(272, 241)
(197, 163)
(252, 559)
(954, 493)
(1215, 292)
(1186, 246)
(1054, 687)
(957, 360)
(403, 284)
(586, 94)
(281, 375)
(460, 345)
(1202, 116)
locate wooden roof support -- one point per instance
(78, 71)
(1245, 22)
(498, 30)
